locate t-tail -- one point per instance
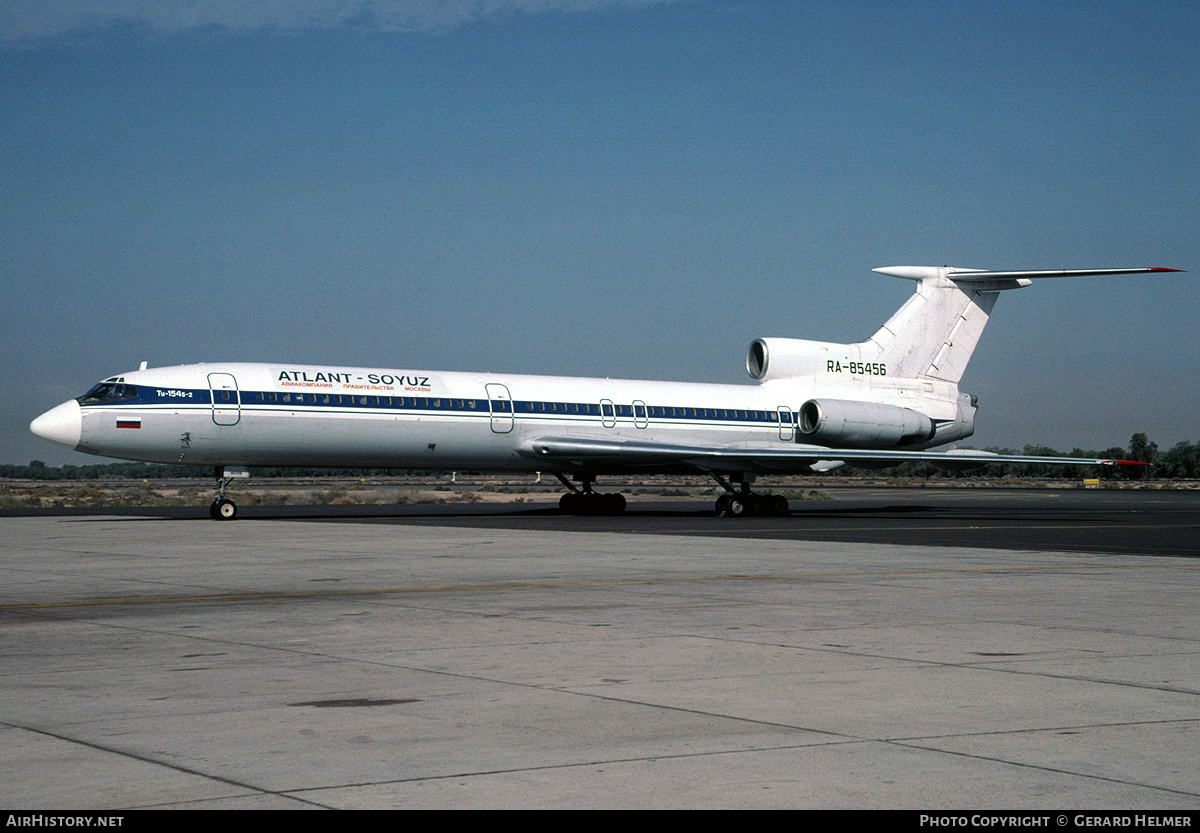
(931, 337)
(899, 388)
(934, 334)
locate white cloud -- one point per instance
(31, 20)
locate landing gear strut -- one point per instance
(587, 502)
(742, 502)
(222, 508)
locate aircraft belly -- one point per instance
(369, 441)
(670, 437)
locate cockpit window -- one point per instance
(106, 392)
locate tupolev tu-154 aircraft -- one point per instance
(814, 406)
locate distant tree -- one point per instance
(1182, 461)
(1141, 450)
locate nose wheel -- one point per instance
(222, 508)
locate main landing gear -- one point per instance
(222, 508)
(739, 503)
(587, 502)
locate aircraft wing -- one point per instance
(631, 455)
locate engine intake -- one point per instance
(790, 358)
(841, 422)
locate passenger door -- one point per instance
(501, 407)
(226, 399)
(787, 427)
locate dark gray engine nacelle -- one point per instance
(841, 422)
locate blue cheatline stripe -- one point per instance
(256, 400)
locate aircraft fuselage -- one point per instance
(294, 415)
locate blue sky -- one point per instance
(632, 189)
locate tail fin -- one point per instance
(936, 330)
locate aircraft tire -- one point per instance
(613, 504)
(223, 510)
(591, 503)
(752, 506)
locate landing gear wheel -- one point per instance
(614, 504)
(591, 503)
(223, 510)
(750, 505)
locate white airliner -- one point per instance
(816, 406)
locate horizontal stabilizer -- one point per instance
(958, 275)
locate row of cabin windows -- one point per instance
(109, 392)
(112, 391)
(503, 406)
(644, 411)
(378, 401)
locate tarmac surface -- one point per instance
(890, 648)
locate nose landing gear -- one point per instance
(222, 508)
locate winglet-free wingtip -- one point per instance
(913, 273)
(1165, 269)
(1128, 462)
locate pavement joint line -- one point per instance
(1044, 768)
(154, 761)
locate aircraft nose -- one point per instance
(61, 425)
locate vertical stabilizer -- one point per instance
(936, 330)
